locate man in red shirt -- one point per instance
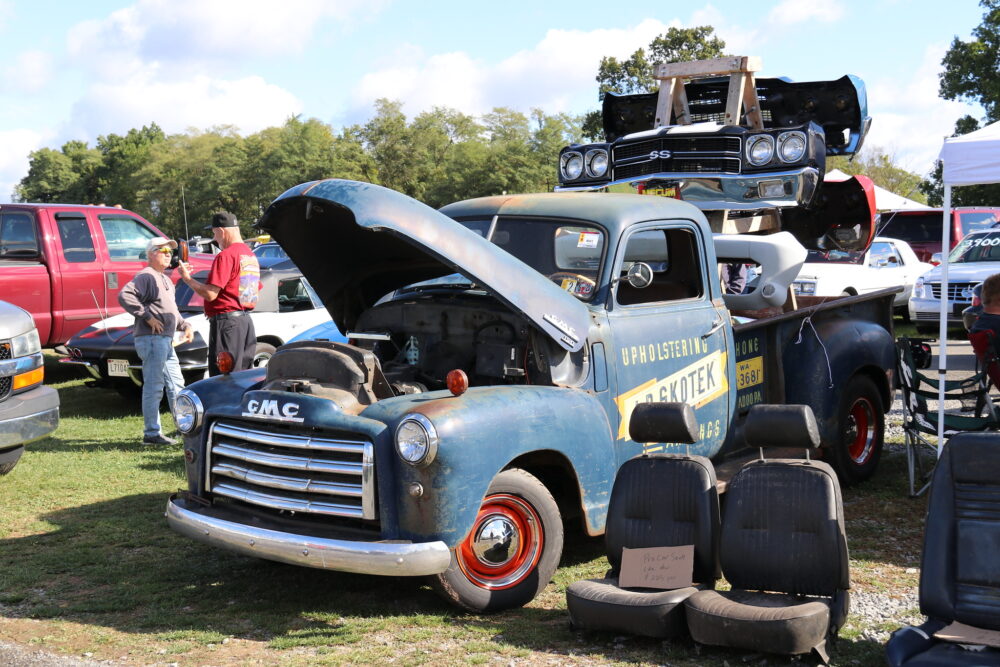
(230, 293)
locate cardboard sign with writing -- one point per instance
(960, 633)
(657, 567)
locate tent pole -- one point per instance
(943, 331)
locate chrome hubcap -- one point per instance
(496, 542)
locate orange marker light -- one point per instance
(224, 361)
(458, 381)
(27, 379)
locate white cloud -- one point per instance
(14, 158)
(6, 13)
(557, 74)
(30, 72)
(250, 104)
(910, 121)
(193, 30)
(790, 12)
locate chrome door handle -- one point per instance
(715, 327)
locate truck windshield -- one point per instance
(568, 252)
(977, 248)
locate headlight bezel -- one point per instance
(592, 155)
(198, 414)
(430, 447)
(25, 344)
(754, 140)
(783, 140)
(564, 161)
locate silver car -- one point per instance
(973, 260)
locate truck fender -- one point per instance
(852, 347)
(480, 433)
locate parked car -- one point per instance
(973, 260)
(28, 409)
(887, 263)
(287, 306)
(65, 264)
(922, 229)
(269, 254)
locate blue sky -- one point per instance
(76, 70)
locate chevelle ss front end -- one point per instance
(716, 166)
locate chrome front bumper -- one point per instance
(28, 416)
(712, 192)
(378, 558)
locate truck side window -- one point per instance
(673, 256)
(76, 242)
(17, 235)
(126, 237)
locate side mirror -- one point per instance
(879, 262)
(640, 275)
(936, 258)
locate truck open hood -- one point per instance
(356, 242)
(840, 107)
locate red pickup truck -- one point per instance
(64, 263)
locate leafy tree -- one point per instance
(123, 156)
(50, 174)
(971, 74)
(635, 73)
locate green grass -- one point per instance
(89, 566)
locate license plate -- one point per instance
(749, 372)
(662, 192)
(118, 368)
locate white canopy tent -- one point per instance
(971, 159)
(884, 199)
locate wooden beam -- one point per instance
(751, 103)
(715, 67)
(734, 99)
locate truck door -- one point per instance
(669, 340)
(126, 239)
(81, 278)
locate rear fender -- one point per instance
(480, 433)
(853, 347)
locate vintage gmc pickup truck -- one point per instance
(568, 309)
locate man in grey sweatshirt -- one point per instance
(149, 297)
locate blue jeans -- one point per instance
(160, 370)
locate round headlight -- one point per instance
(791, 146)
(187, 412)
(760, 149)
(571, 165)
(597, 162)
(416, 440)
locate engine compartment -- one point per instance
(409, 345)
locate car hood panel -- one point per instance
(357, 242)
(840, 107)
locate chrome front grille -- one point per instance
(7, 382)
(310, 474)
(687, 154)
(955, 291)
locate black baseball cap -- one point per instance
(222, 219)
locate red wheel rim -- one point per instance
(861, 431)
(504, 545)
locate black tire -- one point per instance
(262, 354)
(517, 501)
(860, 430)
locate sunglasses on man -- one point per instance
(164, 251)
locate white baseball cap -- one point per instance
(159, 242)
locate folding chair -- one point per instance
(920, 411)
